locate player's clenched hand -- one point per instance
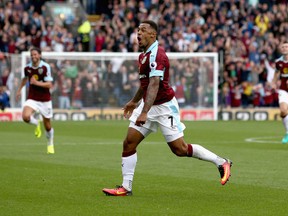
(128, 108)
(141, 119)
(33, 81)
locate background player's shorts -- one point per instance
(283, 96)
(166, 116)
(44, 108)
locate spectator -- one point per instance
(180, 89)
(84, 31)
(64, 87)
(77, 95)
(4, 98)
(242, 30)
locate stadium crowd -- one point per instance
(245, 33)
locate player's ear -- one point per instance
(153, 34)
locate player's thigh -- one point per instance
(171, 127)
(45, 108)
(283, 102)
(283, 98)
(27, 112)
(283, 106)
(29, 107)
(135, 135)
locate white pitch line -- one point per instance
(262, 139)
(80, 143)
(252, 140)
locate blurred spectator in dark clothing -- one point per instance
(89, 95)
(4, 98)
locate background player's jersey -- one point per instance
(41, 73)
(155, 63)
(282, 67)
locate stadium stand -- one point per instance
(245, 33)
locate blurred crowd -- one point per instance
(245, 33)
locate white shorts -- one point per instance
(282, 96)
(44, 108)
(165, 116)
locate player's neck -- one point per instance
(148, 46)
(285, 57)
(36, 64)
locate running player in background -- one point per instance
(282, 72)
(38, 74)
(154, 105)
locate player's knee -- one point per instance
(128, 148)
(26, 118)
(129, 145)
(283, 113)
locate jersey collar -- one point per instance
(152, 46)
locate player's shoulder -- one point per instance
(27, 66)
(44, 64)
(161, 49)
(161, 52)
(280, 59)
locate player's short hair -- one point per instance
(36, 49)
(152, 24)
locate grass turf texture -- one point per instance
(88, 158)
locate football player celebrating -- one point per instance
(154, 105)
(38, 74)
(282, 72)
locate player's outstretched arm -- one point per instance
(23, 83)
(273, 83)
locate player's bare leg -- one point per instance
(28, 117)
(284, 116)
(129, 160)
(180, 148)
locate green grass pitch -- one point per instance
(88, 158)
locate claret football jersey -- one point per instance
(154, 62)
(41, 73)
(282, 66)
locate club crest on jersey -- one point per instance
(29, 71)
(153, 65)
(40, 70)
(144, 60)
